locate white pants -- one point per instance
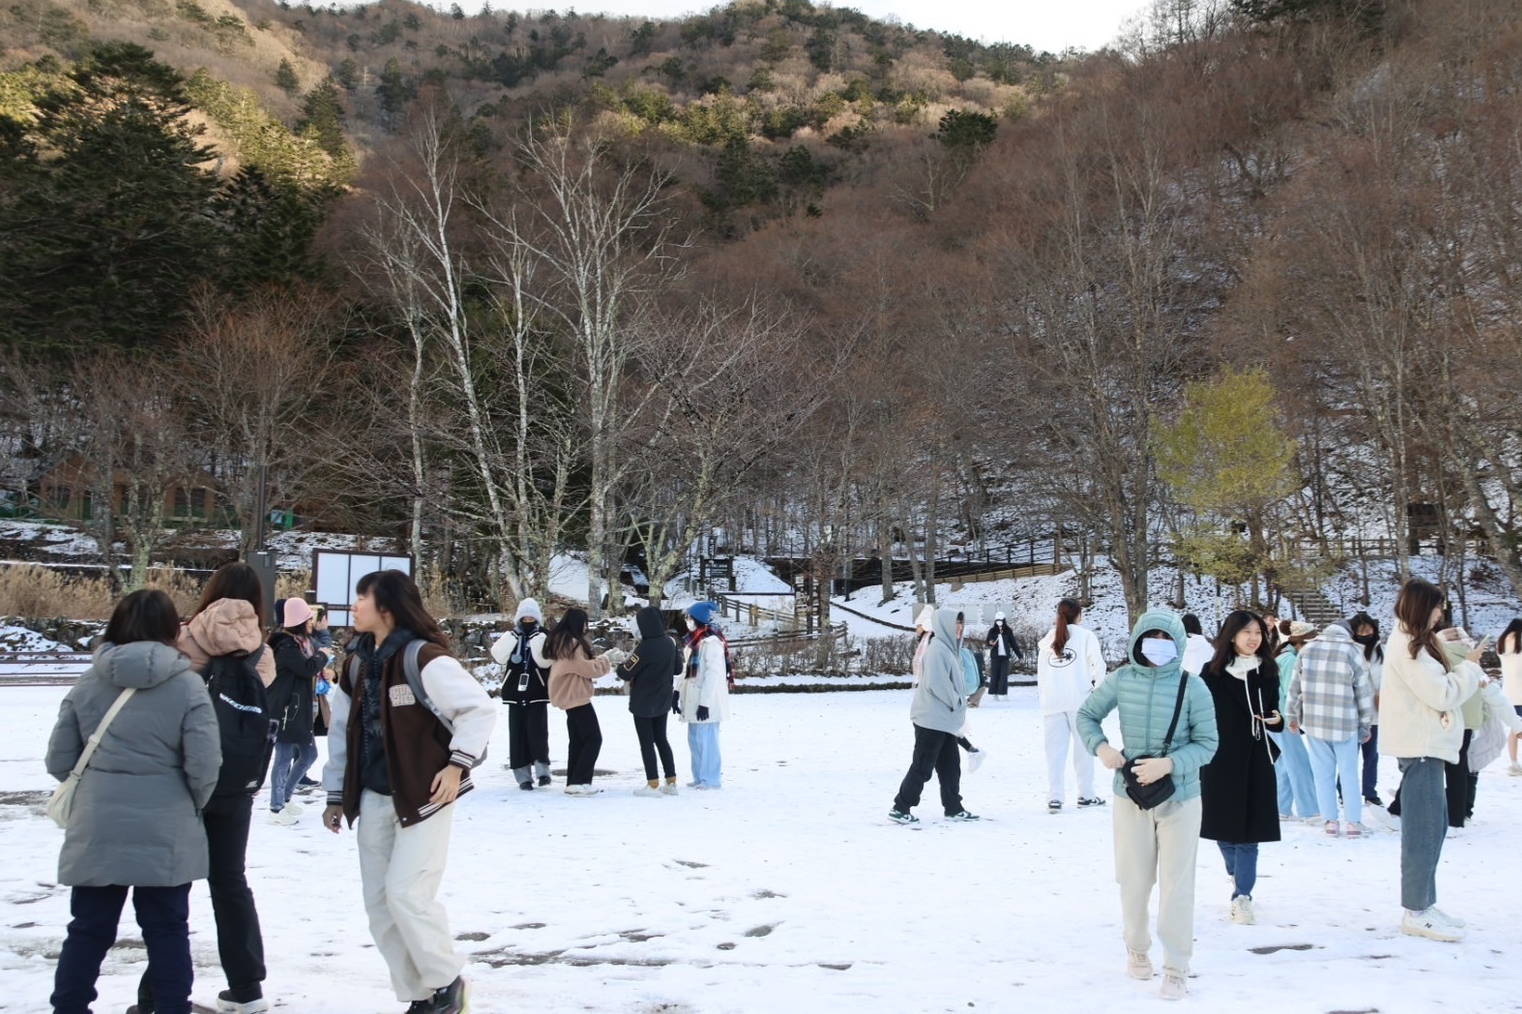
(1061, 730)
(400, 869)
(1158, 846)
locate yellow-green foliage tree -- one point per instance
(1228, 462)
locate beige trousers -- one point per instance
(400, 870)
(1158, 846)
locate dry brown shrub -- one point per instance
(42, 592)
(293, 585)
(182, 588)
(437, 597)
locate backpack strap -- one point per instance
(414, 674)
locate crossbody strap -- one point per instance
(1178, 706)
(100, 731)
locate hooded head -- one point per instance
(528, 608)
(944, 626)
(1167, 621)
(926, 617)
(651, 623)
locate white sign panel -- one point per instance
(336, 572)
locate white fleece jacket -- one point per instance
(1064, 682)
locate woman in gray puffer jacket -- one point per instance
(136, 818)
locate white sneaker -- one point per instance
(1241, 911)
(284, 817)
(1174, 987)
(975, 760)
(1330, 828)
(648, 792)
(1426, 924)
(295, 808)
(1355, 831)
(1314, 820)
(1138, 965)
(1451, 920)
(582, 790)
(1515, 770)
(670, 789)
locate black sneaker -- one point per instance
(420, 1006)
(1096, 801)
(526, 786)
(1054, 806)
(902, 817)
(449, 999)
(309, 782)
(544, 780)
(249, 1001)
(961, 815)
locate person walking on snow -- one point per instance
(938, 713)
(649, 673)
(703, 697)
(298, 662)
(1297, 785)
(1069, 664)
(1157, 845)
(1332, 699)
(1002, 649)
(399, 755)
(526, 693)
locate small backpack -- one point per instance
(247, 724)
(414, 674)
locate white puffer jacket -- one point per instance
(1419, 704)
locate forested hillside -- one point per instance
(1237, 293)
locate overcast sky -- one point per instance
(1042, 24)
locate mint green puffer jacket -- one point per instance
(1145, 696)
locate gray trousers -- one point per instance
(1423, 825)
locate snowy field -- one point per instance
(790, 891)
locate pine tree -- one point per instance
(322, 118)
(285, 77)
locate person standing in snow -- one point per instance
(1423, 729)
(703, 697)
(1198, 651)
(938, 713)
(1366, 636)
(399, 755)
(1509, 651)
(1157, 845)
(1002, 650)
(526, 693)
(1297, 784)
(1332, 700)
(298, 663)
(649, 673)
(1239, 795)
(573, 671)
(1069, 664)
(136, 821)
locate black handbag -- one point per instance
(1160, 791)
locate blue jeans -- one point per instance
(292, 761)
(1241, 865)
(1331, 763)
(1370, 752)
(707, 765)
(1423, 825)
(163, 913)
(1297, 787)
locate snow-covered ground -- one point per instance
(14, 638)
(790, 891)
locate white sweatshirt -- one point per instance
(1064, 682)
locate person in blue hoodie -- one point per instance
(939, 711)
(1156, 845)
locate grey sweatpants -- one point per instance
(1158, 846)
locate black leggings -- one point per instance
(652, 737)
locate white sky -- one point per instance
(1042, 24)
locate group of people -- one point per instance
(1225, 738)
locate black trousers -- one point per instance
(934, 752)
(652, 738)
(163, 914)
(240, 944)
(1460, 784)
(998, 681)
(586, 743)
(528, 734)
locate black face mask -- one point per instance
(1367, 640)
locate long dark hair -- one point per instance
(1514, 631)
(394, 592)
(1236, 621)
(1068, 611)
(568, 635)
(144, 615)
(1372, 652)
(235, 581)
(1413, 608)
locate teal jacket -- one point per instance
(1145, 695)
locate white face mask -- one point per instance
(692, 624)
(1159, 651)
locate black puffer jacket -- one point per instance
(651, 669)
(290, 695)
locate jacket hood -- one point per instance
(141, 664)
(1167, 621)
(226, 626)
(651, 623)
(944, 625)
(1339, 632)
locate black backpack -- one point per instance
(246, 721)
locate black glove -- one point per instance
(676, 702)
(702, 712)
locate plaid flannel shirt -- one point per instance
(1331, 695)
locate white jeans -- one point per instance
(400, 869)
(1062, 729)
(1158, 846)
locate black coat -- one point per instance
(1239, 792)
(290, 696)
(1010, 644)
(650, 671)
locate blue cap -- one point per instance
(703, 612)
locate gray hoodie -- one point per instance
(940, 698)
